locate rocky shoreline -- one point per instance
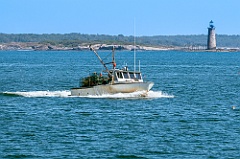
(34, 46)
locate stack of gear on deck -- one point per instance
(94, 80)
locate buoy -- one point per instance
(233, 107)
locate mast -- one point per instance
(113, 58)
(113, 63)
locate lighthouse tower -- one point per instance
(211, 42)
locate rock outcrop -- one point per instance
(81, 47)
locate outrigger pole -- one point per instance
(92, 49)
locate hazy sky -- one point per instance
(152, 17)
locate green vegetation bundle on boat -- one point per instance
(95, 80)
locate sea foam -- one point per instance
(67, 93)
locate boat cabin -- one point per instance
(123, 76)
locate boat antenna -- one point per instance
(139, 66)
(134, 45)
(102, 62)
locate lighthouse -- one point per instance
(211, 42)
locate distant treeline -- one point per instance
(161, 40)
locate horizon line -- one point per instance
(116, 34)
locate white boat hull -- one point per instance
(112, 88)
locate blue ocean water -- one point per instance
(193, 110)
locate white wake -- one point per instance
(67, 93)
(41, 93)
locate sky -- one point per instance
(114, 17)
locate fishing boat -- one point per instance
(116, 81)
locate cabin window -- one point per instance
(115, 76)
(125, 74)
(138, 76)
(119, 74)
(131, 75)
